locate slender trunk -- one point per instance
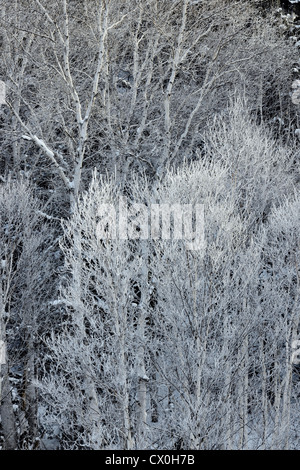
(141, 370)
(93, 414)
(7, 413)
(127, 434)
(264, 398)
(6, 408)
(29, 392)
(16, 142)
(170, 85)
(277, 402)
(243, 395)
(119, 288)
(227, 405)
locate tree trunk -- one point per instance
(7, 413)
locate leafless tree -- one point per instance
(25, 275)
(192, 343)
(123, 86)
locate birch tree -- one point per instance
(258, 162)
(194, 345)
(214, 352)
(102, 339)
(151, 344)
(196, 326)
(56, 32)
(279, 296)
(25, 273)
(126, 86)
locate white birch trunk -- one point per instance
(141, 370)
